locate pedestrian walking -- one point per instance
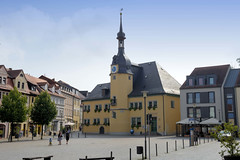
(59, 138)
(67, 135)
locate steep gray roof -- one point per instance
(97, 92)
(153, 78)
(232, 78)
(149, 77)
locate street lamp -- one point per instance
(194, 116)
(145, 123)
(61, 114)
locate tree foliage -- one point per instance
(13, 108)
(43, 110)
(228, 143)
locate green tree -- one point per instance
(229, 144)
(13, 109)
(43, 110)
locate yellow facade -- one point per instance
(121, 87)
(166, 115)
(91, 115)
(126, 111)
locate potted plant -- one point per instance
(149, 107)
(130, 108)
(226, 135)
(133, 125)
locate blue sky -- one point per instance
(75, 40)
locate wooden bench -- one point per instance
(45, 158)
(101, 158)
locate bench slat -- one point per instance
(45, 158)
(103, 158)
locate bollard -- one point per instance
(50, 141)
(86, 157)
(183, 143)
(130, 154)
(204, 139)
(78, 134)
(199, 140)
(190, 142)
(111, 154)
(208, 139)
(85, 135)
(175, 145)
(167, 147)
(156, 150)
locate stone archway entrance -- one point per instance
(101, 130)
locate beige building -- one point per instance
(72, 105)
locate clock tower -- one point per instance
(121, 87)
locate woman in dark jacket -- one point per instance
(67, 135)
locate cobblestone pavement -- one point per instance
(102, 145)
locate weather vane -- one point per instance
(121, 11)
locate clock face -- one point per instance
(114, 69)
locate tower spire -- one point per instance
(123, 62)
(121, 34)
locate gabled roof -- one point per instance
(50, 81)
(2, 66)
(96, 93)
(14, 73)
(153, 78)
(219, 71)
(35, 80)
(146, 77)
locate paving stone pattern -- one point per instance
(102, 145)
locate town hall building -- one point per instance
(135, 92)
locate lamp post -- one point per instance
(194, 116)
(61, 114)
(145, 123)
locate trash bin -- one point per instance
(139, 149)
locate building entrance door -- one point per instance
(154, 124)
(101, 130)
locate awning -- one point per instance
(69, 124)
(188, 121)
(211, 121)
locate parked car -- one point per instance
(224, 133)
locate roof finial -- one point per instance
(121, 11)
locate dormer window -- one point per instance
(33, 88)
(190, 82)
(211, 80)
(22, 85)
(4, 80)
(18, 85)
(200, 81)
